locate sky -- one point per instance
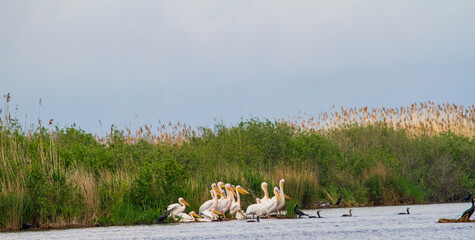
(130, 63)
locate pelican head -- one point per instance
(228, 187)
(241, 190)
(193, 213)
(182, 201)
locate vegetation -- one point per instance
(52, 176)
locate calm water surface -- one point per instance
(366, 223)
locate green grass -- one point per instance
(56, 177)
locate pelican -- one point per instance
(210, 215)
(266, 194)
(179, 207)
(240, 215)
(271, 204)
(348, 215)
(403, 213)
(224, 205)
(236, 205)
(281, 205)
(210, 203)
(253, 208)
(187, 217)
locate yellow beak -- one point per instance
(241, 190)
(186, 203)
(231, 190)
(287, 196)
(220, 213)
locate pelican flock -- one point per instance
(226, 198)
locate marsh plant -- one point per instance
(53, 177)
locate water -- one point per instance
(366, 223)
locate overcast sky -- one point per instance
(198, 62)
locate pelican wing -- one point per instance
(205, 206)
(171, 207)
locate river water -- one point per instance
(366, 223)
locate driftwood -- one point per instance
(460, 220)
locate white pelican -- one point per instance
(266, 194)
(210, 215)
(270, 205)
(253, 208)
(187, 217)
(179, 207)
(236, 205)
(282, 196)
(225, 204)
(210, 203)
(240, 215)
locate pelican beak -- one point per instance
(242, 213)
(231, 190)
(186, 203)
(196, 215)
(278, 197)
(241, 190)
(220, 213)
(287, 196)
(233, 187)
(217, 190)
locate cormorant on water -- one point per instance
(348, 215)
(468, 213)
(338, 201)
(402, 213)
(163, 217)
(318, 214)
(299, 212)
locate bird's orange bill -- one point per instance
(220, 213)
(231, 190)
(242, 213)
(217, 190)
(285, 195)
(278, 196)
(242, 190)
(185, 202)
(196, 215)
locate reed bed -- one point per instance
(56, 177)
(425, 118)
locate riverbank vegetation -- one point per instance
(52, 176)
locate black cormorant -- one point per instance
(402, 213)
(348, 215)
(26, 226)
(163, 217)
(338, 201)
(299, 212)
(318, 214)
(468, 213)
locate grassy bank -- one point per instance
(52, 176)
